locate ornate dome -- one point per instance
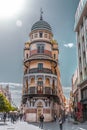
(41, 24)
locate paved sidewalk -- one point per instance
(47, 126)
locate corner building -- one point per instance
(40, 81)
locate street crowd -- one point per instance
(12, 116)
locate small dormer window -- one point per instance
(40, 34)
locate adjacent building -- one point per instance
(81, 35)
(41, 78)
(5, 91)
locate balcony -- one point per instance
(48, 90)
(46, 52)
(37, 70)
(44, 91)
(40, 57)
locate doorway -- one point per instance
(39, 110)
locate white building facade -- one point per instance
(81, 35)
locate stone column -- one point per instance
(35, 84)
(44, 84)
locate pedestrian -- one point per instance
(41, 121)
(60, 122)
(24, 117)
(12, 117)
(4, 117)
(21, 116)
(55, 117)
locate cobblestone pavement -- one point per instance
(47, 126)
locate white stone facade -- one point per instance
(81, 29)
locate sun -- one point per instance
(9, 8)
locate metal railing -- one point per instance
(37, 70)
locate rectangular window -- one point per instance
(40, 34)
(40, 48)
(40, 66)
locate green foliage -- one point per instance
(5, 106)
(14, 108)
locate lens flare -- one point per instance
(10, 8)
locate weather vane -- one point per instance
(41, 12)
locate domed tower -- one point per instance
(40, 81)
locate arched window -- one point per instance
(47, 82)
(53, 84)
(32, 80)
(40, 86)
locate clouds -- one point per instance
(69, 45)
(10, 84)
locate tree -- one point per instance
(5, 105)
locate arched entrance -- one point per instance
(39, 110)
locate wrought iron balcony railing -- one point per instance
(45, 52)
(45, 90)
(37, 70)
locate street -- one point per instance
(47, 126)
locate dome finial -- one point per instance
(41, 12)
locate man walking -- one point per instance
(41, 121)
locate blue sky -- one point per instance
(14, 33)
